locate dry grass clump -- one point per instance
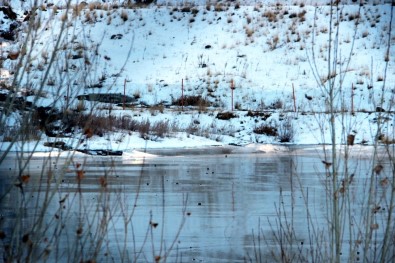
(64, 17)
(105, 7)
(77, 10)
(124, 15)
(270, 15)
(257, 8)
(194, 11)
(229, 20)
(248, 19)
(90, 16)
(273, 42)
(219, 7)
(302, 16)
(386, 140)
(352, 17)
(94, 5)
(249, 31)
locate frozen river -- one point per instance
(180, 206)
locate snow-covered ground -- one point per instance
(274, 54)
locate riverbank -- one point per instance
(166, 150)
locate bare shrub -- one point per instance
(126, 123)
(191, 101)
(96, 124)
(44, 118)
(144, 129)
(226, 115)
(161, 128)
(26, 133)
(266, 129)
(263, 115)
(285, 131)
(143, 2)
(202, 107)
(186, 9)
(192, 128)
(278, 104)
(100, 124)
(156, 108)
(51, 82)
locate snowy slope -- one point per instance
(266, 50)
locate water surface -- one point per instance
(220, 207)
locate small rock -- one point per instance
(379, 109)
(117, 36)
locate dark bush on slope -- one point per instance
(191, 101)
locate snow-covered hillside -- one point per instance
(275, 55)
